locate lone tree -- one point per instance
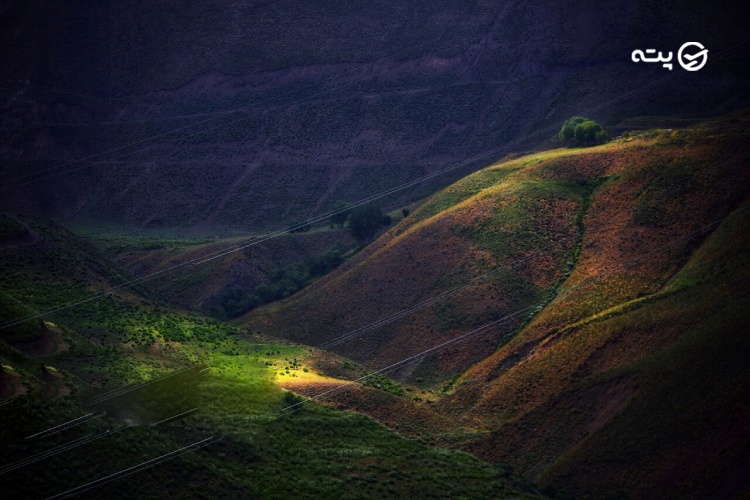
(365, 221)
(580, 131)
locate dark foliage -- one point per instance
(284, 283)
(365, 222)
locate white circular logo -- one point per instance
(692, 62)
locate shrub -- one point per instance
(365, 221)
(580, 131)
(326, 262)
(292, 401)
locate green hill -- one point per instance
(622, 271)
(125, 380)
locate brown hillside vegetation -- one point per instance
(515, 228)
(624, 373)
(649, 396)
(422, 259)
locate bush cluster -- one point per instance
(365, 221)
(580, 131)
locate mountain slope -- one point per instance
(625, 372)
(655, 386)
(236, 264)
(428, 255)
(500, 241)
(224, 118)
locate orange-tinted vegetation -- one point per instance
(629, 261)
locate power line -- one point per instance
(466, 336)
(460, 338)
(137, 468)
(321, 217)
(67, 424)
(58, 449)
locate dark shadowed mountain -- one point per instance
(216, 118)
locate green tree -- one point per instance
(365, 221)
(580, 131)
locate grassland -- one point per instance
(130, 337)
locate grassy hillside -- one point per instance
(503, 239)
(66, 419)
(654, 386)
(624, 373)
(243, 267)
